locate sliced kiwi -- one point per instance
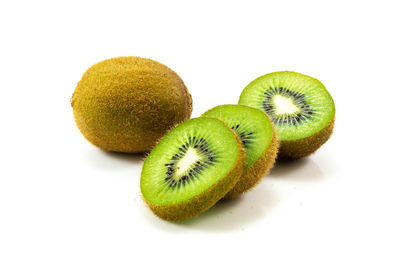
(258, 137)
(301, 108)
(191, 168)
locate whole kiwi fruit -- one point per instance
(126, 104)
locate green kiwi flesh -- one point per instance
(258, 137)
(191, 168)
(300, 107)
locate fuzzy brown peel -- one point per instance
(125, 104)
(296, 149)
(255, 172)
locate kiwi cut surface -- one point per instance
(126, 104)
(300, 107)
(191, 168)
(257, 135)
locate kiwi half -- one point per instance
(126, 104)
(191, 168)
(300, 107)
(257, 135)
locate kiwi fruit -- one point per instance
(258, 137)
(191, 168)
(300, 107)
(126, 104)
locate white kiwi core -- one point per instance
(187, 161)
(284, 105)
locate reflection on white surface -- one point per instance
(113, 161)
(237, 214)
(302, 170)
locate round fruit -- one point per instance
(257, 135)
(126, 104)
(301, 108)
(191, 168)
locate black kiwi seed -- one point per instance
(298, 99)
(203, 148)
(245, 137)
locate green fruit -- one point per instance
(191, 168)
(258, 137)
(126, 104)
(301, 108)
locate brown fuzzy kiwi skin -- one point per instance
(198, 204)
(296, 149)
(256, 171)
(125, 104)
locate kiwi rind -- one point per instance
(253, 174)
(296, 149)
(292, 148)
(196, 205)
(126, 104)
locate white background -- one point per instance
(63, 202)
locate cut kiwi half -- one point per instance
(191, 168)
(300, 107)
(257, 135)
